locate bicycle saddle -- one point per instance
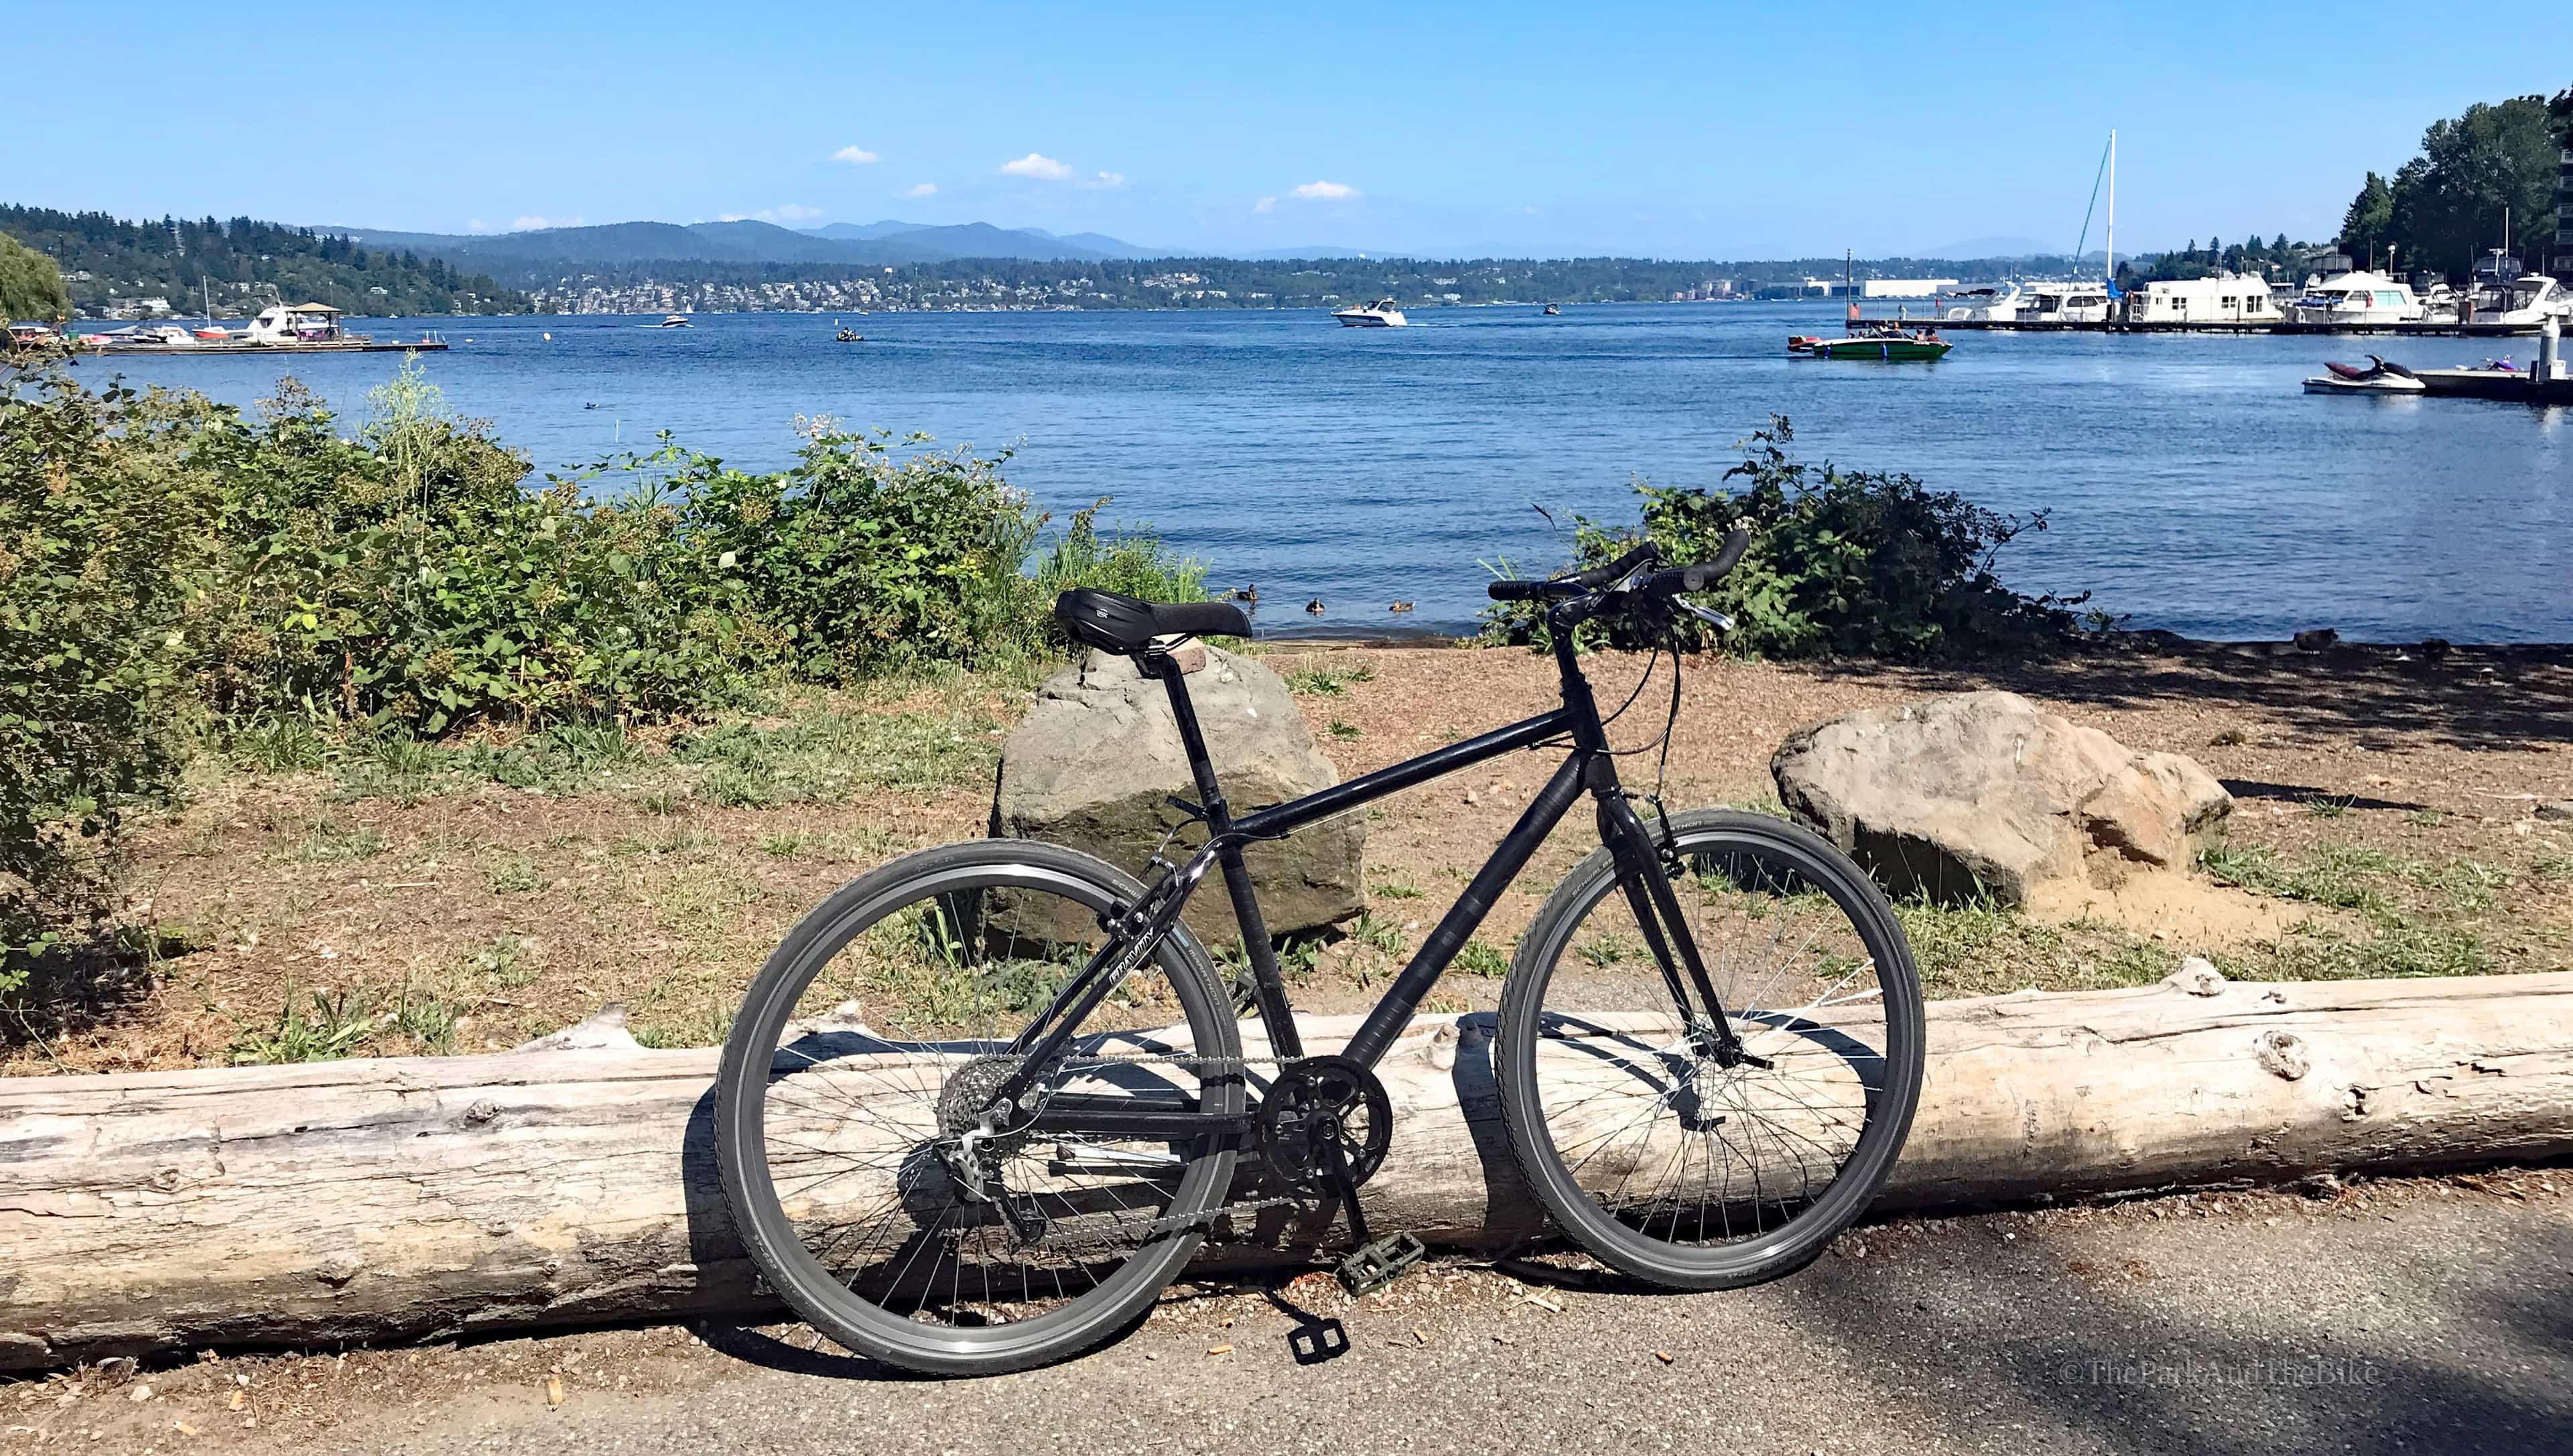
(1128, 624)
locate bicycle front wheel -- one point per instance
(1646, 1149)
(855, 1132)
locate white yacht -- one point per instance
(675, 320)
(2533, 298)
(2226, 297)
(1379, 315)
(1986, 305)
(2066, 302)
(295, 323)
(2357, 297)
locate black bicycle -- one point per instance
(985, 1101)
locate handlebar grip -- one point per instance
(1619, 569)
(1515, 590)
(1705, 573)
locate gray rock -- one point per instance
(2556, 810)
(1094, 761)
(1989, 793)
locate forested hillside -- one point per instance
(111, 264)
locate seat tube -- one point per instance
(1266, 984)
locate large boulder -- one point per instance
(1098, 758)
(1988, 793)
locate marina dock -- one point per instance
(237, 350)
(2404, 330)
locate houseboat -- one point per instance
(2227, 297)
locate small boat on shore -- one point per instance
(2376, 376)
(1379, 315)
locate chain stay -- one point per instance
(1177, 1222)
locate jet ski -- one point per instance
(2376, 376)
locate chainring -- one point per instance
(1320, 1103)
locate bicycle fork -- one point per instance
(1642, 876)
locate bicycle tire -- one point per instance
(1697, 837)
(768, 1230)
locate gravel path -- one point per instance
(2419, 1315)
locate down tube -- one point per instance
(1394, 1011)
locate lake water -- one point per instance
(2192, 483)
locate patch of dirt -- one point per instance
(2400, 786)
(2181, 909)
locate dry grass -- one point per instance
(389, 898)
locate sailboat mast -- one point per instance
(2113, 206)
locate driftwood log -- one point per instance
(573, 1181)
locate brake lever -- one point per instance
(1708, 615)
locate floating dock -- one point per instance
(235, 351)
(2527, 388)
(2401, 331)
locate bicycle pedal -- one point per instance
(1372, 1267)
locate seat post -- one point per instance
(1192, 738)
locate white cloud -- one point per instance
(1326, 191)
(1039, 165)
(783, 213)
(1106, 179)
(926, 188)
(1264, 205)
(854, 156)
(533, 224)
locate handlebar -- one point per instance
(1660, 583)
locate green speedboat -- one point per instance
(1892, 347)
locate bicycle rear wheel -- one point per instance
(873, 1044)
(1649, 1152)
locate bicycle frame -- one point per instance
(1588, 767)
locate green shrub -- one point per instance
(102, 541)
(1131, 560)
(1842, 563)
(407, 576)
(856, 560)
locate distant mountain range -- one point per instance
(617, 245)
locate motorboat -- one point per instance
(1986, 305)
(297, 324)
(2078, 302)
(2355, 299)
(2528, 300)
(1891, 345)
(676, 321)
(848, 335)
(2376, 376)
(1552, 311)
(1379, 315)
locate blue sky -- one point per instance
(1723, 131)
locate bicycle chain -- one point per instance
(1177, 1222)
